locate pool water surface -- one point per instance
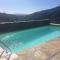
(21, 40)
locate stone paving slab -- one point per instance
(47, 51)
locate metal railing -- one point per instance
(5, 49)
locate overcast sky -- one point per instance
(26, 6)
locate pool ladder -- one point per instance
(4, 49)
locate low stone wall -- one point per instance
(22, 25)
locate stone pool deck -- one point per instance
(47, 51)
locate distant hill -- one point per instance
(52, 14)
(10, 17)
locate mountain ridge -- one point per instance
(51, 14)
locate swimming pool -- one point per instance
(20, 40)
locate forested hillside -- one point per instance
(52, 14)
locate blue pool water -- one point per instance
(20, 40)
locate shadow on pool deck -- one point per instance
(46, 51)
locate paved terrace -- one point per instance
(46, 51)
